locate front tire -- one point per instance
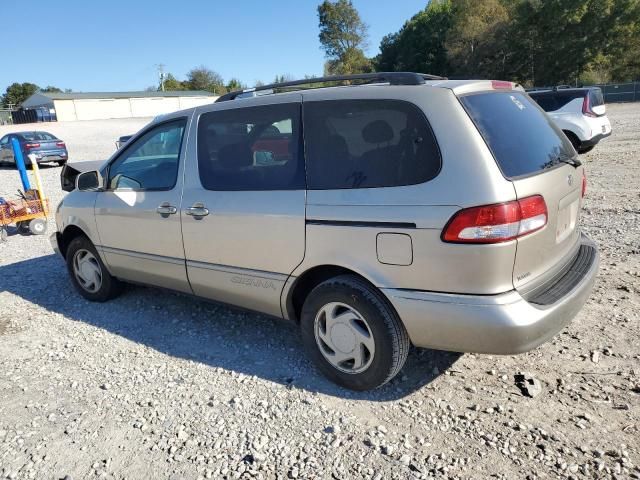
(88, 274)
(353, 334)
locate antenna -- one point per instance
(160, 67)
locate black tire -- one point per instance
(389, 335)
(23, 227)
(585, 149)
(61, 163)
(38, 226)
(573, 138)
(110, 287)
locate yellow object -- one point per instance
(36, 174)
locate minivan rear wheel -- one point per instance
(88, 274)
(352, 333)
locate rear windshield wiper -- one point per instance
(568, 159)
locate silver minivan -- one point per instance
(402, 210)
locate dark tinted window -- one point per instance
(368, 143)
(523, 139)
(253, 148)
(151, 162)
(546, 101)
(596, 97)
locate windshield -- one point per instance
(522, 138)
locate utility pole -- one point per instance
(161, 75)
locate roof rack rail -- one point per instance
(393, 78)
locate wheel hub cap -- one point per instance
(87, 271)
(344, 337)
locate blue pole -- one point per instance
(17, 155)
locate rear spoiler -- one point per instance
(71, 170)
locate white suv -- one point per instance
(579, 112)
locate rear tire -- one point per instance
(586, 149)
(61, 163)
(353, 334)
(88, 274)
(573, 138)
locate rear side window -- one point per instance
(368, 143)
(523, 140)
(253, 148)
(595, 97)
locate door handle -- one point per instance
(166, 209)
(197, 210)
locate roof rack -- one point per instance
(393, 78)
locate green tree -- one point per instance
(171, 83)
(473, 44)
(343, 37)
(235, 84)
(419, 46)
(17, 93)
(203, 78)
(557, 41)
(51, 89)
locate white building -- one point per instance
(103, 105)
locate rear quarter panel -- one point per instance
(469, 176)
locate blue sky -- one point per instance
(115, 45)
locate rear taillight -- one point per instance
(586, 107)
(584, 184)
(497, 223)
(29, 146)
(60, 144)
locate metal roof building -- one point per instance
(103, 105)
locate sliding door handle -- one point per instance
(197, 210)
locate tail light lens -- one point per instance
(29, 146)
(584, 184)
(586, 107)
(497, 223)
(60, 144)
(501, 85)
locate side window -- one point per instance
(252, 148)
(368, 143)
(150, 163)
(4, 140)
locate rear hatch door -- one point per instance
(539, 160)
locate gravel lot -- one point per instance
(158, 385)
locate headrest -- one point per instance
(377, 131)
(236, 155)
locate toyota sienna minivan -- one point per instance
(400, 209)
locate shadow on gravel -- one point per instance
(212, 334)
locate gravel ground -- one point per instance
(157, 385)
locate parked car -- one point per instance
(579, 112)
(412, 210)
(45, 146)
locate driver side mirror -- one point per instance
(89, 181)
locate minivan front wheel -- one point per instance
(88, 274)
(353, 334)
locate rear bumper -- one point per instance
(498, 324)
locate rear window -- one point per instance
(522, 138)
(368, 143)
